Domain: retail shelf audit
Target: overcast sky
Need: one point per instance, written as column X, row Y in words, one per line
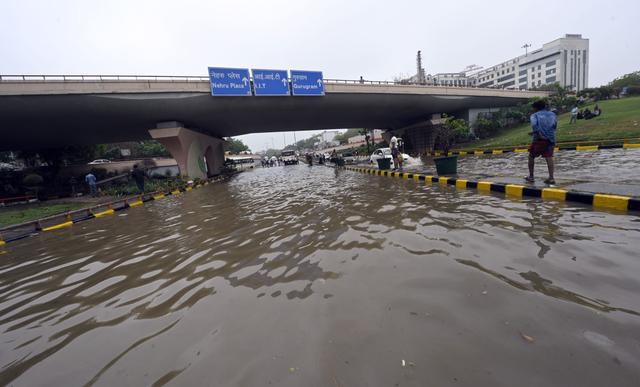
column 343, row 38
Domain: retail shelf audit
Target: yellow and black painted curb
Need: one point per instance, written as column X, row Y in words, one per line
column 597, row 200
column 77, row 216
column 525, row 149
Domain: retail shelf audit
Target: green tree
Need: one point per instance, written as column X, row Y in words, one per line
column 453, row 130
column 631, row 79
column 236, row 146
column 150, row 148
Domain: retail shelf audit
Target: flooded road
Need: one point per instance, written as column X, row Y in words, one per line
column 308, row 276
column 604, row 165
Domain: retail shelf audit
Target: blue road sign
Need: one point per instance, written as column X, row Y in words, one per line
column 230, row 82
column 307, row 82
column 270, row 82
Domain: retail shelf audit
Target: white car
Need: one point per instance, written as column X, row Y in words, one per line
column 289, row 157
column 386, row 153
column 99, row 161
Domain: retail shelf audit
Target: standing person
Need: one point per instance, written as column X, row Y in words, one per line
column 574, row 115
column 90, row 179
column 395, row 152
column 361, row 80
column 138, row 176
column 543, row 125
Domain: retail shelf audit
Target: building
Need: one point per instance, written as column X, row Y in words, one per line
column 328, row 135
column 460, row 79
column 564, row 61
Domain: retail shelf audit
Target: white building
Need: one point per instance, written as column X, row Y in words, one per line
column 460, row 79
column 328, row 135
column 564, row 60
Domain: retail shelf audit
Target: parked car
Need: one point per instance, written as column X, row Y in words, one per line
column 8, row 167
column 99, row 161
column 386, row 153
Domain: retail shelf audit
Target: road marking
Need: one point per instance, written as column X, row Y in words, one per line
column 104, row 213
column 58, row 226
column 514, row 189
column 484, row 186
column 461, row 183
column 554, row 193
column 611, row 201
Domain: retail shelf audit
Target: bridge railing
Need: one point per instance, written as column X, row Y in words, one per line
column 195, row 78
column 98, row 78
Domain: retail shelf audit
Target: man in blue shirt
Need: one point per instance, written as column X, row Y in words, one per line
column 91, row 180
column 543, row 125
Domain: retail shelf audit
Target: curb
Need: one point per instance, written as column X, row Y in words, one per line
column 597, row 200
column 89, row 213
column 526, row 149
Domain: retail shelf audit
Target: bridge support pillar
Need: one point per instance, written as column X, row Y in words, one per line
column 198, row 155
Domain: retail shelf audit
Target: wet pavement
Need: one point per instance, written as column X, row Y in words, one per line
column 310, row 276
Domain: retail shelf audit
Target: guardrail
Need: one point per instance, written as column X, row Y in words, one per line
column 195, row 78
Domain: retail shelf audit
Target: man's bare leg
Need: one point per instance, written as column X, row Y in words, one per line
column 532, row 163
column 550, row 167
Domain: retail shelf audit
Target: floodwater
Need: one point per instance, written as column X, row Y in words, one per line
column 309, row 276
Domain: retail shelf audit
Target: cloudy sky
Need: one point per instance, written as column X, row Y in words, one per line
column 343, row 38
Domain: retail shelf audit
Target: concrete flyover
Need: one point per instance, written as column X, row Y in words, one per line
column 53, row 111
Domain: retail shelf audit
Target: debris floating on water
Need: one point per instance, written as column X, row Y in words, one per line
column 527, row 338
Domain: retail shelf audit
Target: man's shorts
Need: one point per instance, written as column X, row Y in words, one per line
column 542, row 148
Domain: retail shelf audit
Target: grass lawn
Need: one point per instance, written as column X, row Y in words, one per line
column 620, row 120
column 23, row 213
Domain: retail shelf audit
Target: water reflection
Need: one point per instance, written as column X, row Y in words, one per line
column 216, row 269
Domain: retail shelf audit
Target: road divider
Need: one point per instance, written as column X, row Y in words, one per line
column 519, row 149
column 65, row 220
column 597, row 200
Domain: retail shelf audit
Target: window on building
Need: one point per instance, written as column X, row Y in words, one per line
column 539, row 75
column 523, row 72
column 552, row 63
column 539, row 67
column 550, row 79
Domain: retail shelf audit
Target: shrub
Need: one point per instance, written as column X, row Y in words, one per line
column 32, row 180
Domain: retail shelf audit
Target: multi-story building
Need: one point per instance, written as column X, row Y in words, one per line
column 564, row 61
column 454, row 79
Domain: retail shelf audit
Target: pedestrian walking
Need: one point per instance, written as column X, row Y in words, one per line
column 90, row 179
column 574, row 115
column 543, row 133
column 138, row 176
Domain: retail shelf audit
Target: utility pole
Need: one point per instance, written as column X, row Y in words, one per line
column 526, row 48
column 295, row 142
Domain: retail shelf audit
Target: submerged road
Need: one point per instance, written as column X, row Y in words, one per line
column 309, row 276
